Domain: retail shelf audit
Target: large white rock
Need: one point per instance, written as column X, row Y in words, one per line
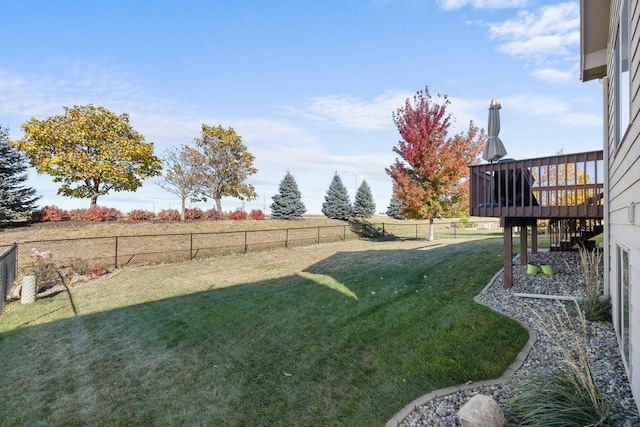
column 481, row 411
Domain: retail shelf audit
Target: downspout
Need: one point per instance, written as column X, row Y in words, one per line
column 605, row 151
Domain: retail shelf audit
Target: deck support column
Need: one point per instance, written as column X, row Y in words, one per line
column 523, row 244
column 534, row 239
column 508, row 254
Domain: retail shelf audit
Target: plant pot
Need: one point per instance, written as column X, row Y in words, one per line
column 29, row 289
column 532, row 269
column 547, row 269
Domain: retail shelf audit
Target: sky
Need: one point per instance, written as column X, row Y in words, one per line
column 310, row 86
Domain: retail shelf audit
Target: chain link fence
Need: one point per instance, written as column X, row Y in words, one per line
column 94, row 256
column 8, row 267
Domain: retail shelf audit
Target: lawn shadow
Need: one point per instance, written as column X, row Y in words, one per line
column 345, row 339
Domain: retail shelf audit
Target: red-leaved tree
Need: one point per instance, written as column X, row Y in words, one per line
column 431, row 175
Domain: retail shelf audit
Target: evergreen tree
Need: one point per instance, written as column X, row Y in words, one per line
column 15, row 199
column 395, row 209
column 287, row 204
column 336, row 202
column 364, row 206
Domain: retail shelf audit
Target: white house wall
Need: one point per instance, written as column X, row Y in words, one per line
column 624, row 186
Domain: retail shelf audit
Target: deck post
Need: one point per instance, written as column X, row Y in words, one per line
column 508, row 254
column 534, row 239
column 523, row 243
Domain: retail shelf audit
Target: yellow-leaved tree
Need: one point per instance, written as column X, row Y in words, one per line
column 90, row 151
column 225, row 165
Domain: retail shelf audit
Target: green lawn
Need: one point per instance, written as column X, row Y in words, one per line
column 336, row 334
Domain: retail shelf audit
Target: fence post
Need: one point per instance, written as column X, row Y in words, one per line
column 286, row 239
column 318, row 235
column 383, row 229
column 245, row 242
column 191, row 247
column 416, row 231
column 116, row 260
column 344, row 233
column 3, row 283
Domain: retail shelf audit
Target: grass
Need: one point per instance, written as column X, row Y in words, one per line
column 565, row 395
column 95, row 247
column 335, row 334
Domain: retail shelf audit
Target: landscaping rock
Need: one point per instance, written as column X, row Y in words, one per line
column 481, row 411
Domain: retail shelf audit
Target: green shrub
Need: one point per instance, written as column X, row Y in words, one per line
column 558, row 398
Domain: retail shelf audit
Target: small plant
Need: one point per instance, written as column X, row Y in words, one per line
column 212, row 214
column 595, row 306
column 565, row 395
column 50, row 213
column 44, row 269
column 78, row 214
column 140, row 215
column 465, row 221
column 237, row 215
column 256, row 214
column 79, row 266
column 168, row 215
column 99, row 213
column 193, row 213
column 98, row 269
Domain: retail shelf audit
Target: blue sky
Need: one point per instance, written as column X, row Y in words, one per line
column 309, row 85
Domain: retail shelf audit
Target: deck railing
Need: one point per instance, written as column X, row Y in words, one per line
column 560, row 186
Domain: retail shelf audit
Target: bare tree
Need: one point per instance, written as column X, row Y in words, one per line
column 181, row 173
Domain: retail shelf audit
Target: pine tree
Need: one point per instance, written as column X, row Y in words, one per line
column 287, row 204
column 364, row 206
column 395, row 209
column 336, row 202
column 15, row 199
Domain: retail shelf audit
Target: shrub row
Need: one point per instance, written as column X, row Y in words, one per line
column 55, row 214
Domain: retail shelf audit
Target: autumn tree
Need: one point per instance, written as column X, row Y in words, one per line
column 571, row 181
column 16, row 199
column 90, row 151
column 363, row 205
column 336, row 202
column 181, row 174
column 225, row 165
column 430, row 175
column 287, row 204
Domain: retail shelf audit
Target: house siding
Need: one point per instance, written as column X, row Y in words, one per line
column 624, row 186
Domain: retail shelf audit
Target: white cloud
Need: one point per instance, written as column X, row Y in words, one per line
column 357, row 114
column 552, row 75
column 552, row 31
column 554, row 109
column 481, row 4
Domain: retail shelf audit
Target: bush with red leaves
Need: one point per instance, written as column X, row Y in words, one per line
column 78, row 214
column 50, row 213
column 140, row 215
column 237, row 215
column 99, row 213
column 193, row 213
column 256, row 214
column 212, row 214
column 168, row 215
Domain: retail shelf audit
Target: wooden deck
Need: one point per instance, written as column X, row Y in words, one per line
column 562, row 186
column 566, row 188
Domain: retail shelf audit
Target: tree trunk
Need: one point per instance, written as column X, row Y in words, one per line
column 182, row 210
column 94, row 201
column 219, row 204
column 430, row 229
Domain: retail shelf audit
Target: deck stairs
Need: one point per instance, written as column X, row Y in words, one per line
column 567, row 233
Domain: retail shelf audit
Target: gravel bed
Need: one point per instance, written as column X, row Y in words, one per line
column 606, row 362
